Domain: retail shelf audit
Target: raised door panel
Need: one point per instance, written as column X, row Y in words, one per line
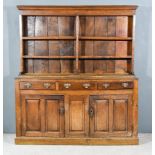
column 111, row 115
column 54, row 116
column 122, row 115
column 76, row 116
column 42, row 115
column 99, row 116
column 31, row 116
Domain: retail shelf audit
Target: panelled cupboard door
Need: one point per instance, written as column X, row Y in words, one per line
column 76, row 116
column 110, row 115
column 42, row 115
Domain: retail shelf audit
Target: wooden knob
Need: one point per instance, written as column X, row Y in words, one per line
column 106, row 85
column 47, row 85
column 125, row 84
column 28, row 85
column 67, row 85
column 86, row 85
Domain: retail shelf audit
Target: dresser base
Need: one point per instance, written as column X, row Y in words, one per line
column 76, row 141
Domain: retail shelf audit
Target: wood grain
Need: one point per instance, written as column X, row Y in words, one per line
column 52, row 108
column 54, row 50
column 101, row 115
column 100, row 48
column 29, row 45
column 120, row 115
column 33, row 115
column 111, row 46
column 76, row 85
column 76, row 118
column 41, row 47
column 87, row 29
column 135, row 109
column 80, row 10
column 18, row 110
column 77, row 141
column 66, row 27
column 121, row 46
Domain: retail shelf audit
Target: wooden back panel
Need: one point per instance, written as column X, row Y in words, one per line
column 42, row 26
column 52, row 44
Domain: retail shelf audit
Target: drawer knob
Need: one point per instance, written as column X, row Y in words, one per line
column 28, row 85
column 67, row 85
column 106, row 85
column 86, row 85
column 47, row 85
column 125, row 84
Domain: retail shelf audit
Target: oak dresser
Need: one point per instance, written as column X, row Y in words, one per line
column 76, row 83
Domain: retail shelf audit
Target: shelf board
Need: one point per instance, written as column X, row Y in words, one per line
column 49, row 57
column 74, row 57
column 121, row 76
column 80, row 38
column 50, row 38
column 105, row 57
column 105, row 38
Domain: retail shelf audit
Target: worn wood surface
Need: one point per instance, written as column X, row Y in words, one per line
column 76, row 116
column 77, row 141
column 40, row 116
column 81, row 10
column 85, row 44
column 77, row 84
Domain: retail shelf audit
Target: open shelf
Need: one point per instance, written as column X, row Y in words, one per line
column 49, row 57
column 106, row 38
column 80, row 75
column 93, row 38
column 50, row 38
column 77, row 44
column 105, row 57
column 79, row 57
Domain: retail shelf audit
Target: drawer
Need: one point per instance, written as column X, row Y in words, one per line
column 115, row 85
column 37, row 85
column 76, row 86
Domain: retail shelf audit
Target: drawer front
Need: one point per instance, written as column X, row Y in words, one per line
column 114, row 85
column 76, row 86
column 37, row 85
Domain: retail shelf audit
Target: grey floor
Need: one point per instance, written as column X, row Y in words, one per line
column 144, row 148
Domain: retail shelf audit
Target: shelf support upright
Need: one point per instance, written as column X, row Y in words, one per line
column 21, row 44
column 133, row 41
column 77, row 44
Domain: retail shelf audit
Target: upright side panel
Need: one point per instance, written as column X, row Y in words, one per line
column 18, row 110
